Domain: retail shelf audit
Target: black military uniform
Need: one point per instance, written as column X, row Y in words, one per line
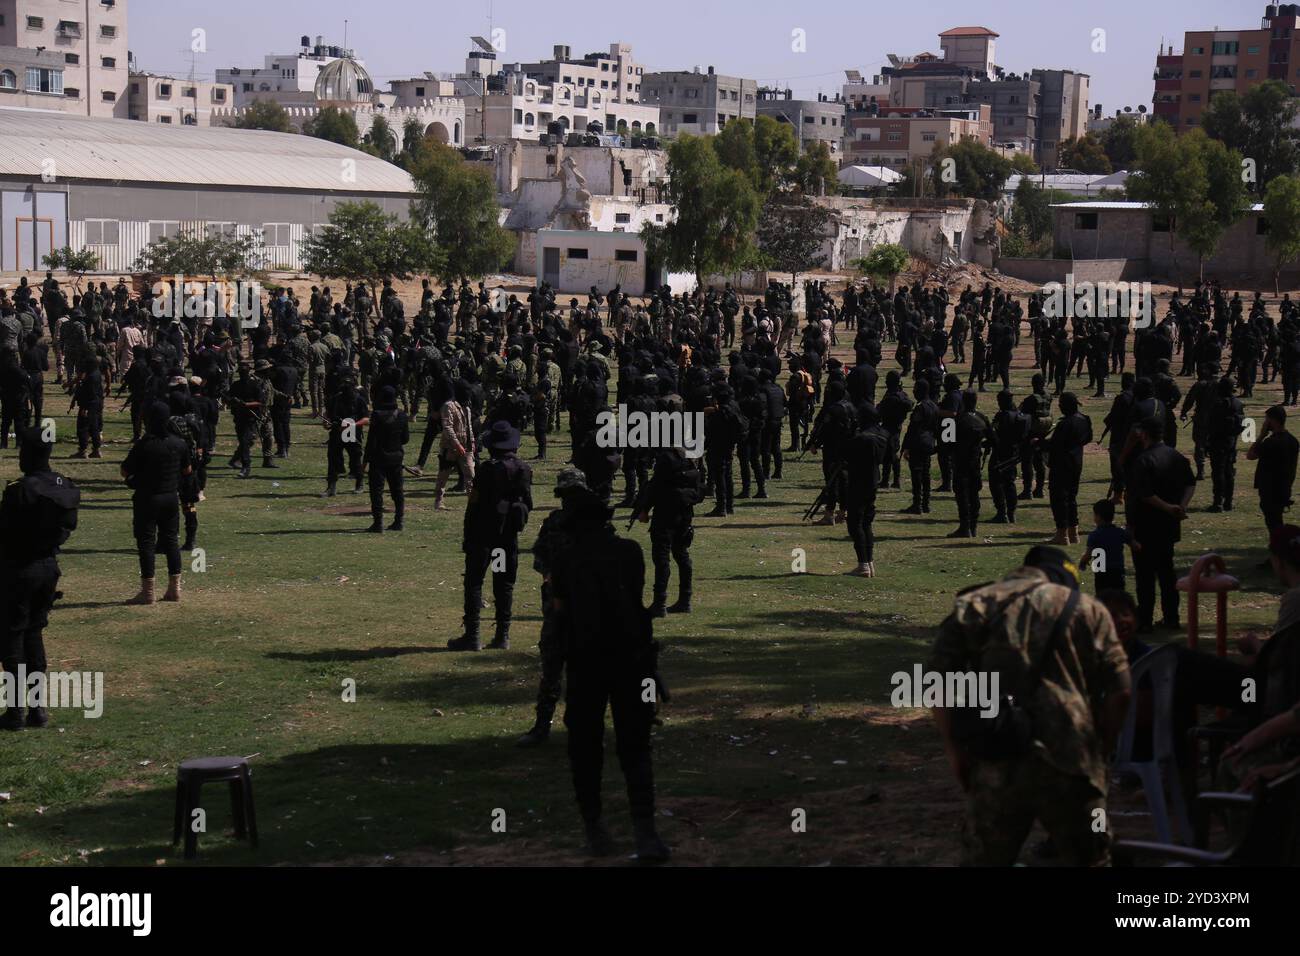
column 346, row 414
column 497, row 511
column 865, row 455
column 894, row 408
column 578, row 506
column 1065, row 460
column 37, row 515
column 153, row 469
column 1010, row 434
column 1033, row 464
column 918, row 445
column 385, row 448
column 1276, row 452
column 610, row 655
column 974, row 438
column 668, row 501
column 1223, row 430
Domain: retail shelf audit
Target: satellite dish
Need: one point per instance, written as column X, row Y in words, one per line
column 483, row 45
column 1142, row 109
column 1128, row 109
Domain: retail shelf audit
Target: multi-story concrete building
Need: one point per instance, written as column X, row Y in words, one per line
column 1099, row 122
column 1062, row 111
column 814, row 121
column 970, row 47
column 89, row 38
column 701, row 103
column 32, row 79
column 615, row 73
column 1216, row 60
column 858, row 94
column 517, row 106
column 285, row 78
column 897, row 138
column 166, row 99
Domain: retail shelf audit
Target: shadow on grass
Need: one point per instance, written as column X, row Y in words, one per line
column 353, row 654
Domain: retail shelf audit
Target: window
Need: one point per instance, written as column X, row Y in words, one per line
column 107, row 32
column 72, row 93
column 164, row 89
column 8, row 80
column 165, row 119
column 577, row 253
column 810, row 121
column 108, row 62
column 41, row 80
column 1085, row 220
column 1225, row 48
column 219, row 96
column 690, row 118
column 927, row 137
column 221, row 229
column 419, row 91
column 160, row 229
column 1194, row 74
column 625, row 255
column 190, row 92
column 519, row 116
column 275, row 233
column 248, row 87
column 101, row 232
column 109, row 96
column 69, row 30
column 895, row 137
column 622, row 217
column 36, row 23
column 528, row 119
column 604, row 84
column 1197, row 51
column 692, row 94
column 1194, row 97
column 1252, row 51
column 71, row 59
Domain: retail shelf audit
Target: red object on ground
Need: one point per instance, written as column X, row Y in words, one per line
column 1210, row 575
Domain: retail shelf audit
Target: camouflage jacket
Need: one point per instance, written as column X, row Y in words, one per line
column 1003, row 627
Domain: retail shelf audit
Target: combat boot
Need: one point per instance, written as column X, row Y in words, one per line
column 146, row 593
column 961, row 532
column 13, row 719
column 502, row 640
column 173, row 588
column 376, row 526
column 659, row 608
column 1025, row 495
column 269, row 462
column 683, row 605
column 330, row 491
column 1061, row 537
column 466, row 642
column 540, row 732
column 397, row 524
column 1073, row 534
column 999, row 518
column 649, row 848
column 37, row 717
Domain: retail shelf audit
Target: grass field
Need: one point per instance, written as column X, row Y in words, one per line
column 780, row 680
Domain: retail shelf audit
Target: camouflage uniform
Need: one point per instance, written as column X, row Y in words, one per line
column 298, row 351
column 1003, row 627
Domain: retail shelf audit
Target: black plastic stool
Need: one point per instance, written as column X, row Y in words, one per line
column 191, row 777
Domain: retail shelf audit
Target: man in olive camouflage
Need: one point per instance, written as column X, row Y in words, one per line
column 1076, row 707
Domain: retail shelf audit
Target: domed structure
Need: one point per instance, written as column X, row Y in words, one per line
column 344, row 82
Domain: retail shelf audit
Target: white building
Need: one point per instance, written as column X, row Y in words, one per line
column 573, row 261
column 89, row 38
column 284, row 78
column 166, row 99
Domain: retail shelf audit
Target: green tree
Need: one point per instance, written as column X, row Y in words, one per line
column 335, row 125
column 381, row 140
column 1031, row 213
column 265, row 114
column 1259, row 126
column 776, row 150
column 1024, row 164
column 213, row 254
column 1171, row 179
column 1225, row 200
column 717, row 210
column 76, row 264
column 734, row 147
column 1282, row 220
column 884, row 262
column 791, row 234
column 1119, row 140
column 816, row 173
column 458, row 204
column 969, row 168
column 363, row 243
column 1086, row 154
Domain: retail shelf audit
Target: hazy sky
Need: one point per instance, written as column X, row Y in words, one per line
column 403, row 38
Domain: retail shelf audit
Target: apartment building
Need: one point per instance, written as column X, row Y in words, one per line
column 87, row 38
column 699, row 103
column 1216, row 60
column 896, row 138
column 814, row 121
column 165, row 99
column 614, row 73
column 285, row 78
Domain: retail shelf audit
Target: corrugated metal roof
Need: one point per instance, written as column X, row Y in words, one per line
column 1257, row 207
column 136, row 151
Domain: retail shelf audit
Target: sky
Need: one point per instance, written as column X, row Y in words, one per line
column 398, row 39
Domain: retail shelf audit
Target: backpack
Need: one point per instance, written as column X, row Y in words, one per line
column 189, row 428
column 690, row 483
column 51, row 517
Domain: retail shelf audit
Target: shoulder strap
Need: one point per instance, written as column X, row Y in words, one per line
column 1058, row 631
